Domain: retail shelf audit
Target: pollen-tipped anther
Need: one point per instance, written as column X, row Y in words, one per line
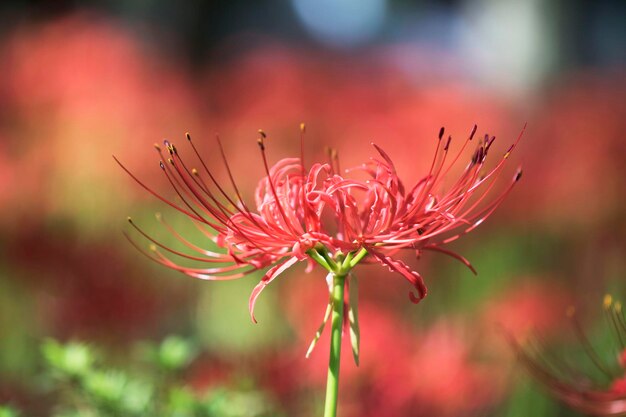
column 508, row 152
column 441, row 132
column 302, row 127
column 188, row 136
column 608, row 300
column 518, row 176
column 157, row 147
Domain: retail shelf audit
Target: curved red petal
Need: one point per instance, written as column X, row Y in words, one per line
column 269, row 276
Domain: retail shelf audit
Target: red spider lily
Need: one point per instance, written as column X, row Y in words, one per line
column 571, row 386
column 372, row 219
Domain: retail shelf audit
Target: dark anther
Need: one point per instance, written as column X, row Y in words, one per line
column 473, row 132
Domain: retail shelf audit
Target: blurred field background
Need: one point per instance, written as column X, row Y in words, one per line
column 83, row 80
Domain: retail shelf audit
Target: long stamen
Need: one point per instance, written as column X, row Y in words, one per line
column 172, row 175
column 171, row 250
column 460, row 152
column 218, row 212
column 619, row 314
column 595, row 359
column 213, row 179
column 302, row 132
column 163, row 199
column 270, row 181
column 189, row 189
column 609, row 311
column 246, row 210
column 427, row 184
column 184, row 241
column 225, row 217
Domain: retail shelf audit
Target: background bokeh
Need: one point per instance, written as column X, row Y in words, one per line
column 81, row 82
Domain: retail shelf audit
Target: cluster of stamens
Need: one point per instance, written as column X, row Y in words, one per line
column 602, row 394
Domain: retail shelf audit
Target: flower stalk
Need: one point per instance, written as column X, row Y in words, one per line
column 332, row 381
column 321, row 215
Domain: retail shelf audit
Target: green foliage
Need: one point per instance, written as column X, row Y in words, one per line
column 6, row 411
column 150, row 384
column 526, row 400
column 173, row 354
column 72, row 359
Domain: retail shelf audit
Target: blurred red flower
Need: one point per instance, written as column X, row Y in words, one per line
column 407, row 371
column 74, row 88
column 579, row 389
column 531, row 306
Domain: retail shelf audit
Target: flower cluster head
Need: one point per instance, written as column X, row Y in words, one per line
column 322, row 215
column 595, row 385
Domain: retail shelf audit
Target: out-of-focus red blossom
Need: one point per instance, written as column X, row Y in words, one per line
column 209, row 371
column 532, row 306
column 7, row 174
column 579, row 127
column 350, row 100
column 74, row 88
column 446, row 381
column 619, row 386
column 81, row 289
column 404, row 371
column 87, row 67
column 567, row 382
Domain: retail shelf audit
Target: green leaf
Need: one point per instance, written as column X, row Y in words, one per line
column 353, row 316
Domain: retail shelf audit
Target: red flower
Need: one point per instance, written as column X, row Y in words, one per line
column 372, row 218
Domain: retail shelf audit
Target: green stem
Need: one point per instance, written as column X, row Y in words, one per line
column 332, row 383
column 357, row 258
